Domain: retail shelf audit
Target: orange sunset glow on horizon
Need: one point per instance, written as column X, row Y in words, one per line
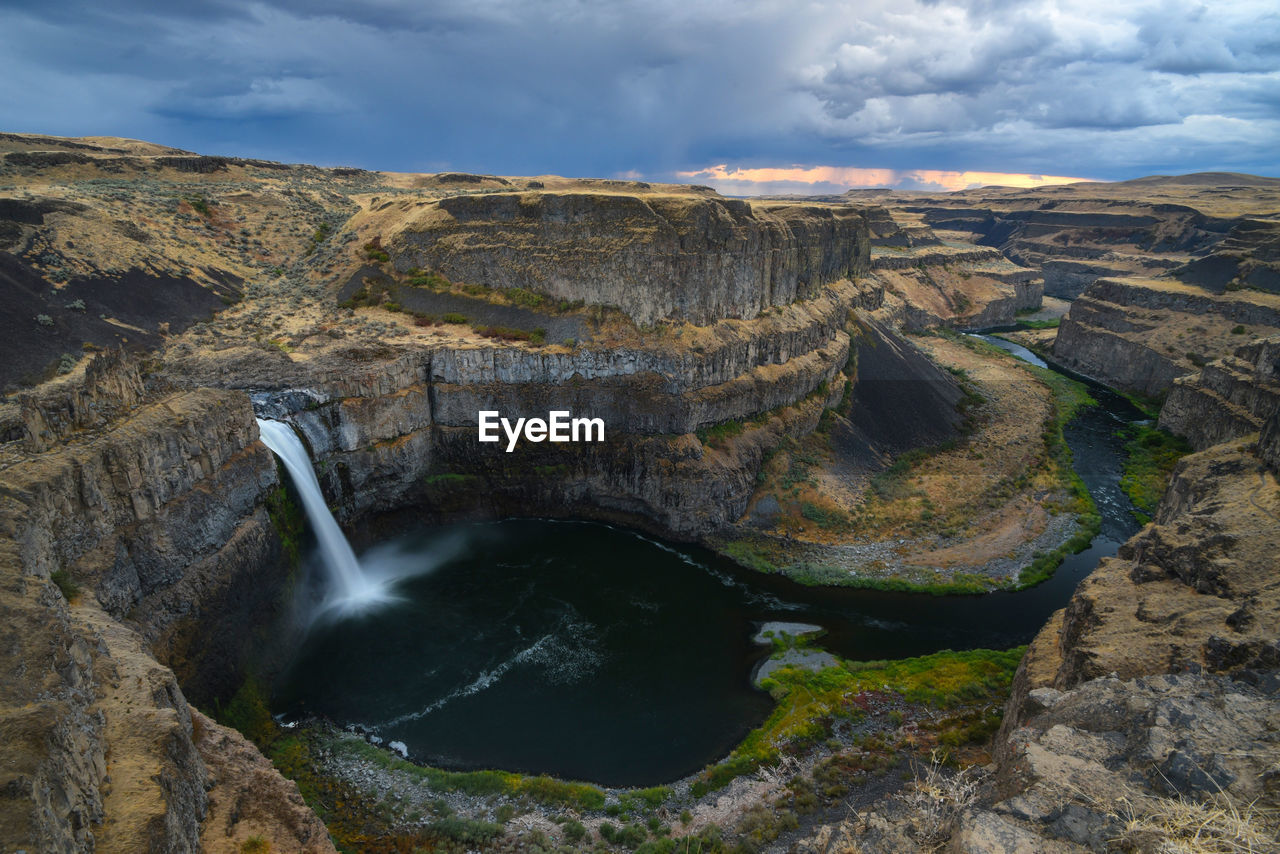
column 855, row 177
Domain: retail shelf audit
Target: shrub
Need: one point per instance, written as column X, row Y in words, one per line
column 454, row 318
column 44, row 320
column 507, row 333
column 465, row 830
column 62, row 578
column 717, row 434
column 574, row 830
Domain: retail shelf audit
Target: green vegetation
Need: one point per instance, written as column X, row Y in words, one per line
column 287, row 518
column 1050, row 323
column 544, row 790
column 199, row 204
column 356, row 822
column 717, row 434
column 654, row 796
column 422, row 279
column 507, row 333
column 1151, row 456
column 1069, row 398
column 749, row 555
column 465, row 830
column 454, row 318
column 62, row 579
column 809, row 704
column 574, row 830
column 1043, row 566
column 1238, row 329
column 373, row 251
column 524, row 297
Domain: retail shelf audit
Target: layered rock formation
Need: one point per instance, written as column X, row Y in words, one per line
column 135, row 540
column 1146, row 711
column 1230, row 397
column 1075, row 234
column 125, row 532
column 408, row 414
column 1248, row 258
column 1141, row 334
column 636, row 252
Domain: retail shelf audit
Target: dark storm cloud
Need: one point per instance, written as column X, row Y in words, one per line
column 1103, row 89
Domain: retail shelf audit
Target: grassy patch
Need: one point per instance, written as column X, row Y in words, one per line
column 809, row 704
column 1150, row 458
column 545, row 790
column 63, row 581
column 717, row 434
column 749, row 555
column 1051, row 323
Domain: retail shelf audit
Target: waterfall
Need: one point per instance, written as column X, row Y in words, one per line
column 351, row 589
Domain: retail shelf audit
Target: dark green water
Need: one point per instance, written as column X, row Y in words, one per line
column 591, row 652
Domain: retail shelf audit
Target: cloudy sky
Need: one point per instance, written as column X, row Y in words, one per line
column 749, row 95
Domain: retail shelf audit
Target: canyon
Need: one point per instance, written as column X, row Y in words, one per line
column 160, row 301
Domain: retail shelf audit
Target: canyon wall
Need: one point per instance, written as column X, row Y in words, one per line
column 653, row 256
column 1147, row 701
column 1141, row 334
column 1230, row 397
column 403, row 428
column 115, row 545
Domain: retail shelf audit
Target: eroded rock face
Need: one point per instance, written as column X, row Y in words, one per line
column 1231, row 397
column 1249, row 257
column 655, row 257
column 1142, row 334
column 1160, row 678
column 156, row 515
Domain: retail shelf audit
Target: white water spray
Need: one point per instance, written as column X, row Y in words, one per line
column 352, row 588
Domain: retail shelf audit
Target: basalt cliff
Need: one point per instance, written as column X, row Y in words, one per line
column 162, row 299
column 379, row 314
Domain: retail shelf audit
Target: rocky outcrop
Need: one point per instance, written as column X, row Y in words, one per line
column 1142, row 334
column 133, row 533
column 248, row 799
column 1230, row 397
column 109, row 388
column 1248, row 258
column 929, row 282
column 385, row 422
column 1159, row 680
column 1068, row 278
column 1144, row 713
column 653, row 256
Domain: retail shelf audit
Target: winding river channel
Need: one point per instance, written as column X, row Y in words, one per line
column 596, row 653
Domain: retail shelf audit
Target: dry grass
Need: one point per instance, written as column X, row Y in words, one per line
column 937, row 798
column 1182, row 826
